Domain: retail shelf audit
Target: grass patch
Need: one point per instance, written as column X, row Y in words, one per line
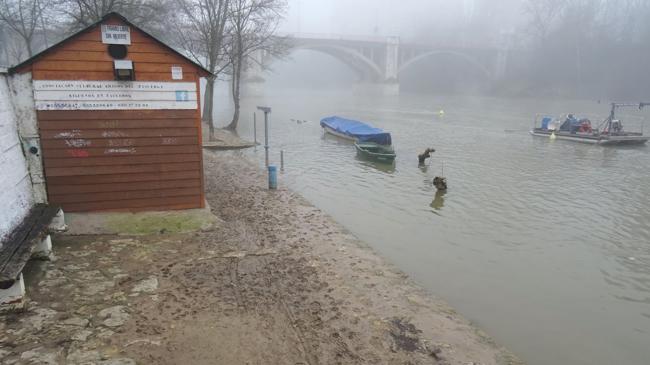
column 160, row 222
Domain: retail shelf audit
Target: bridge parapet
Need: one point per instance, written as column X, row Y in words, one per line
column 381, row 59
column 338, row 37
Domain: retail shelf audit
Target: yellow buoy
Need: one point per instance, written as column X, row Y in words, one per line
column 553, row 136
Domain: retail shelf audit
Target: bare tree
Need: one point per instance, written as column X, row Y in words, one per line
column 628, row 20
column 82, row 13
column 543, row 16
column 23, row 18
column 4, row 49
column 252, row 26
column 200, row 28
column 14, row 49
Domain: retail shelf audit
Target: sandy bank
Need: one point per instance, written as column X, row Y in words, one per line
column 276, row 282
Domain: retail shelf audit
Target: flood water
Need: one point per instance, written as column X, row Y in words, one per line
column 543, row 244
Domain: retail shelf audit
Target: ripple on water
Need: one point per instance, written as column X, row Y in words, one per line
column 531, row 231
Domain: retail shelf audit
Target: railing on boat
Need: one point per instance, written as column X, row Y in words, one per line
column 633, row 124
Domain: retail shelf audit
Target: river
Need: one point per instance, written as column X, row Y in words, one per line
column 543, row 244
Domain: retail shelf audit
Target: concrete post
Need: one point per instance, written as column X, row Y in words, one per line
column 14, row 297
column 43, row 250
column 503, row 52
column 391, row 64
column 58, row 222
column 501, row 64
column 253, row 80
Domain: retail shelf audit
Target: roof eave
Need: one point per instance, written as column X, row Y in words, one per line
column 21, row 66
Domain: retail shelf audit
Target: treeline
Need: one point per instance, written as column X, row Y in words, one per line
column 596, row 49
column 218, row 34
column 587, row 49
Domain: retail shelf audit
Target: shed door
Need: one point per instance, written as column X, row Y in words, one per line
column 122, row 159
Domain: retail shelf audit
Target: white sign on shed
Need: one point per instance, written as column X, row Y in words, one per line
column 177, row 73
column 116, row 34
column 113, row 95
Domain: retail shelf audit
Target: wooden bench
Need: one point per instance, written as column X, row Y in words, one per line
column 18, row 248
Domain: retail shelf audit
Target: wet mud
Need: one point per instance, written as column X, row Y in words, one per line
column 277, row 281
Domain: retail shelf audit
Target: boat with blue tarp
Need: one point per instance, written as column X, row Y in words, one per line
column 355, row 130
column 370, row 142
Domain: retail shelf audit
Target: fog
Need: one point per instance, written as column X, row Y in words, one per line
column 569, row 49
column 410, row 19
column 541, row 243
column 555, row 48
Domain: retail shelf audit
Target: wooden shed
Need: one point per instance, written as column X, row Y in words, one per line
column 118, row 115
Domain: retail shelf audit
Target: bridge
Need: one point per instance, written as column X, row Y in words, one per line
column 381, row 60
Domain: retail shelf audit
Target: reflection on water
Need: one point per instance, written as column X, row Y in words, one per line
column 348, row 146
column 439, row 201
column 545, row 245
column 388, row 168
column 334, row 140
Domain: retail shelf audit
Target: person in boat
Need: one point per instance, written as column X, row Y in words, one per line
column 422, row 158
column 571, row 124
column 585, row 126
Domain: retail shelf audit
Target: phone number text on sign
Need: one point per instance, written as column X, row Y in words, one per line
column 77, row 105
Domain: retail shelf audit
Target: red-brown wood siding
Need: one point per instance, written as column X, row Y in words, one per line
column 120, row 159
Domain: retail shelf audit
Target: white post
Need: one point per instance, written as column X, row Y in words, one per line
column 13, row 297
column 43, row 250
column 58, row 222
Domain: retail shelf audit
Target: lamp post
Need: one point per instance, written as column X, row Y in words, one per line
column 267, row 111
column 255, row 129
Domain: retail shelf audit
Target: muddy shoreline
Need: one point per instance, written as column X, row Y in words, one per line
column 277, row 281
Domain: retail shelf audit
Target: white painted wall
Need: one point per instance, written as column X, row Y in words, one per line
column 22, row 99
column 15, row 183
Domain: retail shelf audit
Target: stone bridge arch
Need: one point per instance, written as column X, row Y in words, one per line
column 367, row 68
column 473, row 62
column 380, row 60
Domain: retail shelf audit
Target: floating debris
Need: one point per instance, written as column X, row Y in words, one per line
column 440, row 183
column 424, row 155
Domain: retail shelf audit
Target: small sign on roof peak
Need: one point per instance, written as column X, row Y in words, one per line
column 116, row 34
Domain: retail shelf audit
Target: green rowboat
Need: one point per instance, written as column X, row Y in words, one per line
column 376, row 152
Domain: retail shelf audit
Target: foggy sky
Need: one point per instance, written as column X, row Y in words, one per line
column 405, row 18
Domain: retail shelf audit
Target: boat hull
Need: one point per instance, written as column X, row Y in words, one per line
column 375, row 152
column 338, row 134
column 356, row 130
column 603, row 140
